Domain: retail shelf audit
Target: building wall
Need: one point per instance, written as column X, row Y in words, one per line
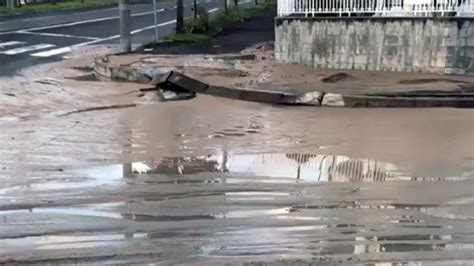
column 435, row 45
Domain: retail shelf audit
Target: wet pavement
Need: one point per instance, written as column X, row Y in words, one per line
column 215, row 181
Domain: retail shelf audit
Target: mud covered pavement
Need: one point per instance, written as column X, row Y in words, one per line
column 216, row 181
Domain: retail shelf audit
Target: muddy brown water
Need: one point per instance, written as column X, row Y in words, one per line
column 214, row 181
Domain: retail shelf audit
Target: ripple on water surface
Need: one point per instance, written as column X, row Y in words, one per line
column 249, row 207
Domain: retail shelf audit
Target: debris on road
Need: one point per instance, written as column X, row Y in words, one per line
column 49, row 81
column 254, row 75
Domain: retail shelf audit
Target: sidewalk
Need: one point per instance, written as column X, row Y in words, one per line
column 241, row 58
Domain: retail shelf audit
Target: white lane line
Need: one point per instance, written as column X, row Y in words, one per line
column 69, row 48
column 153, row 26
column 96, row 41
column 5, row 44
column 79, row 22
column 147, row 12
column 25, row 49
column 57, row 35
column 134, row 32
column 53, row 52
column 118, row 36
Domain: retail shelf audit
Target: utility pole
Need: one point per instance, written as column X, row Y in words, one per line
column 125, row 36
column 11, row 4
column 155, row 18
column 179, row 16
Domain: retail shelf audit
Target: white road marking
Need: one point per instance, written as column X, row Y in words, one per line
column 118, row 36
column 68, row 49
column 79, row 22
column 153, row 26
column 53, row 52
column 96, row 41
column 25, row 49
column 147, row 12
column 5, row 44
column 57, row 35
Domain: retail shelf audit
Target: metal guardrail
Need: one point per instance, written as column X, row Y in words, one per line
column 340, row 8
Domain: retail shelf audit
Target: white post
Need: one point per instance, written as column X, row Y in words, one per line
column 155, row 17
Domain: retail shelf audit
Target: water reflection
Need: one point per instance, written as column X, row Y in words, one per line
column 310, row 167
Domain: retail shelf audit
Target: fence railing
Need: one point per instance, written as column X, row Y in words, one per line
column 450, row 8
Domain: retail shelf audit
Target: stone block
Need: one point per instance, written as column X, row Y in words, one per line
column 454, row 71
column 470, row 41
column 333, row 100
column 461, row 42
column 392, row 40
column 464, row 32
column 311, row 98
column 407, row 43
column 186, row 83
column 450, row 51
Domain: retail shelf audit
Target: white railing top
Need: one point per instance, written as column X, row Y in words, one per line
column 442, row 8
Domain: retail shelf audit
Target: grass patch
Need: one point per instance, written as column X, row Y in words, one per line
column 259, row 7
column 187, row 37
column 67, row 5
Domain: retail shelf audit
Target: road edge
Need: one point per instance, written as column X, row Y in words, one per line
column 106, row 71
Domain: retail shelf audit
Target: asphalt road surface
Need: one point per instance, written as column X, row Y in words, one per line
column 30, row 41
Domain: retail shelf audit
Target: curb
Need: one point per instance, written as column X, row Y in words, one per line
column 175, row 81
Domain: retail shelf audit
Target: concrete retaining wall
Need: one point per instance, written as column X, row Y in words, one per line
column 433, row 45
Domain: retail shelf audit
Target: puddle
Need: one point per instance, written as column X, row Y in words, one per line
column 305, row 167
column 308, row 167
column 61, row 242
column 240, row 206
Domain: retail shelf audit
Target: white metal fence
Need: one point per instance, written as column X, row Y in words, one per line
column 463, row 8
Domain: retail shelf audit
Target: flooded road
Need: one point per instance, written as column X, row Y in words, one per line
column 214, row 181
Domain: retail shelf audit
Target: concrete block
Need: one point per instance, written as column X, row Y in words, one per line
column 186, row 83
column 399, row 102
column 333, row 100
column 355, row 100
column 288, row 98
column 261, row 96
column 224, row 92
column 160, row 78
column 311, row 98
column 120, row 73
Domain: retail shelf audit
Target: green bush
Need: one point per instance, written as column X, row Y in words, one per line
column 199, row 25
